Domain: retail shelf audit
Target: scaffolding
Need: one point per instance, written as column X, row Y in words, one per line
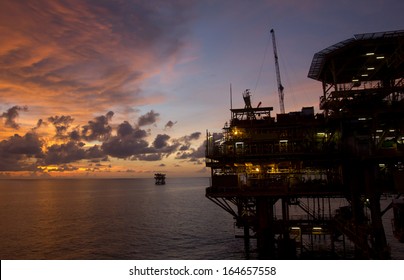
column 304, row 183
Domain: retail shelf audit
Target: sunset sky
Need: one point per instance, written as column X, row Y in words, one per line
column 126, row 88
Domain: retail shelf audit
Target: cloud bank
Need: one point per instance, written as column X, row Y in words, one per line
column 91, row 143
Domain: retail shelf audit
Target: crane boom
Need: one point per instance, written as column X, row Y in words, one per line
column 278, row 75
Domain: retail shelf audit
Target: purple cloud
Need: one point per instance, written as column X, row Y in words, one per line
column 11, row 115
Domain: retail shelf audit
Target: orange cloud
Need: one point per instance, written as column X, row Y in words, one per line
column 89, row 56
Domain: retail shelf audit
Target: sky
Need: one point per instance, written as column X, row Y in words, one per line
column 127, row 88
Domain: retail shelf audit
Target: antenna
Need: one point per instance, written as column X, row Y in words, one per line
column 278, row 75
column 231, row 100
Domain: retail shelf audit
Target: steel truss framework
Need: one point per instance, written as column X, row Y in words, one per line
column 264, row 167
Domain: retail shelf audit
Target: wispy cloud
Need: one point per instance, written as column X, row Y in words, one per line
column 85, row 54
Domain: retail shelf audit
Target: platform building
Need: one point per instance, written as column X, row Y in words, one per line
column 308, row 184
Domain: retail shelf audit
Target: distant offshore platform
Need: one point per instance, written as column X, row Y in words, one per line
column 308, row 185
column 160, row 178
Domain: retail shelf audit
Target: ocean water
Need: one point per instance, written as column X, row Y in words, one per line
column 113, row 219
column 120, row 219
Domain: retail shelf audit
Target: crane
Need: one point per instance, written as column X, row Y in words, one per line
column 278, row 75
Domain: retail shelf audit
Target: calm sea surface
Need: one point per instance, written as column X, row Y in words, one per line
column 113, row 219
column 119, row 219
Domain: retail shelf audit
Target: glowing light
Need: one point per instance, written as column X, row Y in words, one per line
column 317, row 230
column 49, row 168
column 370, row 54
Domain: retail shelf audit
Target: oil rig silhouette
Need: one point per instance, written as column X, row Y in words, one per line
column 302, row 180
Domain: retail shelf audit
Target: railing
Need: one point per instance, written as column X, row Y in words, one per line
column 358, row 234
column 315, row 148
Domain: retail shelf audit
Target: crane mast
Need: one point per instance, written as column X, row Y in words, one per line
column 278, row 75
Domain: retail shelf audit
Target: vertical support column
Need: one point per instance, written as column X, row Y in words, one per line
column 265, row 227
column 287, row 246
column 379, row 241
column 379, row 237
column 247, row 239
column 353, row 178
column 285, row 218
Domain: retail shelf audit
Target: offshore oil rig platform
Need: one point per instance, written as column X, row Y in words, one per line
column 305, row 184
column 160, row 178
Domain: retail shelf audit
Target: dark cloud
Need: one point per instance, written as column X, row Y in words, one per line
column 11, row 114
column 98, row 129
column 161, row 141
column 193, row 155
column 185, row 151
column 98, row 160
column 40, row 123
column 62, row 124
column 185, row 147
column 191, row 137
column 16, row 152
column 29, row 145
column 161, row 145
column 200, row 151
column 125, row 129
column 64, row 153
column 169, row 124
column 149, row 157
column 148, row 118
column 95, row 153
column 74, row 135
column 70, row 152
column 130, row 142
column 128, row 147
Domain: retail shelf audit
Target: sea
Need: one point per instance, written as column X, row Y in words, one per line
column 121, row 219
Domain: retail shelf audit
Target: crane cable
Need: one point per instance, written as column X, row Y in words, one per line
column 262, row 65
